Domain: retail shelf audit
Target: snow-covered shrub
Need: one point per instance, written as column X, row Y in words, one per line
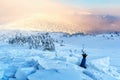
column 43, row 41
column 66, row 35
column 61, row 43
column 34, row 41
column 18, row 39
column 47, row 42
column 78, row 34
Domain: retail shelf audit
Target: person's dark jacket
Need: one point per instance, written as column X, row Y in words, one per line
column 83, row 62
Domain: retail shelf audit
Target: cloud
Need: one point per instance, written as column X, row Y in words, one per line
column 16, row 9
column 50, row 15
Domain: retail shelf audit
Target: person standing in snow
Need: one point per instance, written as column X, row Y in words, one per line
column 83, row 62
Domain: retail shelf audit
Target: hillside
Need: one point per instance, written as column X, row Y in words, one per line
column 18, row 62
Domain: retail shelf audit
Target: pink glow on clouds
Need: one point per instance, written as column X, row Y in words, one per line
column 37, row 14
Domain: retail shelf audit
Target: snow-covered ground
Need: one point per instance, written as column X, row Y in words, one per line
column 21, row 63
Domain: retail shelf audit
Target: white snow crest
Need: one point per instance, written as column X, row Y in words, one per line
column 103, row 65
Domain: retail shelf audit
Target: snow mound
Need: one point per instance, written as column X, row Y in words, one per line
column 22, row 73
column 103, row 65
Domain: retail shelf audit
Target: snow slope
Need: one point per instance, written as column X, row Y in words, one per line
column 21, row 63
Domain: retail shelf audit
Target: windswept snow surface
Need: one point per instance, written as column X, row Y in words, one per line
column 21, row 63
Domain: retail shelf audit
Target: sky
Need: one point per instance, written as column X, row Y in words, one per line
column 74, row 15
column 93, row 3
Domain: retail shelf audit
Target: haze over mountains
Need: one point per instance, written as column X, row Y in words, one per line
column 87, row 23
column 60, row 16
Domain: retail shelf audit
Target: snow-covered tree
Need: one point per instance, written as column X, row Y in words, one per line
column 43, row 41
